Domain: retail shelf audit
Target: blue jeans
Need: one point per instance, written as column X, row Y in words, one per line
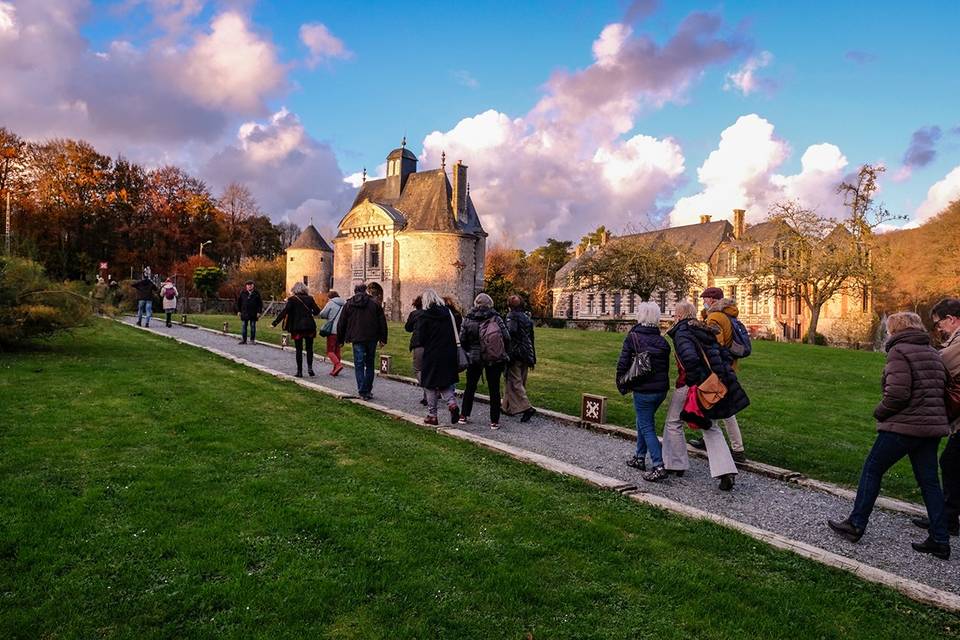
column 645, row 405
column 364, row 354
column 243, row 329
column 144, row 308
column 887, row 449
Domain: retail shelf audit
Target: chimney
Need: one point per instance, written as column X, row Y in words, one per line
column 459, row 197
column 704, row 218
column 604, row 238
column 739, row 223
column 579, row 252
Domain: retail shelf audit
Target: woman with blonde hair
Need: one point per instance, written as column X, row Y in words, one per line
column 684, row 334
column 437, row 333
column 911, row 419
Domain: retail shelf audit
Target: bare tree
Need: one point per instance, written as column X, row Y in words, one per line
column 638, row 265
column 238, row 205
column 289, row 232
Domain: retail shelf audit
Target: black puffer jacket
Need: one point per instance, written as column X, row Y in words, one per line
column 643, row 338
column 362, row 320
column 411, row 327
column 439, row 342
column 299, row 312
column 470, row 332
column 522, row 347
column 689, row 337
column 914, row 380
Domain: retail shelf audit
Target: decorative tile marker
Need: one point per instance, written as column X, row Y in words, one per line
column 593, row 408
column 225, row 325
column 183, row 319
column 284, row 341
column 386, row 363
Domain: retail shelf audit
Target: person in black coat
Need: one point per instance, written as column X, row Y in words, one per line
column 145, row 290
column 436, row 329
column 299, row 312
column 650, row 390
column 363, row 324
column 482, row 361
column 416, row 351
column 249, row 308
column 523, row 357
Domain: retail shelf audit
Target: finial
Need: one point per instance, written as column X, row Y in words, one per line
column 443, row 160
column 364, row 174
column 403, row 143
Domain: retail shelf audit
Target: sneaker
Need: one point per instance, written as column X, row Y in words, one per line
column 936, row 549
column 494, row 425
column 310, row 373
column 366, row 396
column 526, row 415
column 464, row 420
column 739, row 456
column 637, row 463
column 454, row 414
column 336, row 370
column 431, row 420
column 727, row 481
column 846, row 530
column 697, row 443
column 655, row 475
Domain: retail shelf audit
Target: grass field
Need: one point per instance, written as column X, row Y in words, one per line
column 150, row 490
column 811, row 406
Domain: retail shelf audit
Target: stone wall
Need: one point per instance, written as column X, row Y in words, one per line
column 447, row 262
column 316, row 266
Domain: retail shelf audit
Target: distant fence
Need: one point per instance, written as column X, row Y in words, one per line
column 223, row 305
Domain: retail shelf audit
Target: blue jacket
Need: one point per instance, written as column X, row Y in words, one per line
column 642, row 338
column 694, row 339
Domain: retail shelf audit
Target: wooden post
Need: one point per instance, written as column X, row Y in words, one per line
column 593, row 408
column 183, row 319
column 386, row 363
column 225, row 325
column 284, row 341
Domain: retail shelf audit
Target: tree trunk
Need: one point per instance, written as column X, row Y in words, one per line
column 814, row 320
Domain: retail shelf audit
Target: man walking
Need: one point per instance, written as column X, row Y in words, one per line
column 523, row 356
column 719, row 311
column 249, row 308
column 946, row 320
column 363, row 324
column 144, row 288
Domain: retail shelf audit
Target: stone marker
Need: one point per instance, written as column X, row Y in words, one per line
column 386, row 363
column 593, row 408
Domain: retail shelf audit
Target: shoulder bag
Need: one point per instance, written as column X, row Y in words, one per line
column 462, row 360
column 711, row 390
column 640, row 366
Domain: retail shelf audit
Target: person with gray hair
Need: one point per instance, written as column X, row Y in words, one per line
column 437, row 331
column 645, row 344
column 911, row 420
column 298, row 314
column 485, row 338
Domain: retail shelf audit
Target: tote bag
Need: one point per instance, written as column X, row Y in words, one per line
column 462, row 360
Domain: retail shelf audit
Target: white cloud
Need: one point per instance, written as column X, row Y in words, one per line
column 740, row 174
column 465, row 78
column 322, row 44
column 941, row 194
column 747, row 80
column 8, row 21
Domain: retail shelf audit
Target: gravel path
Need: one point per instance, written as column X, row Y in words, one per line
column 796, row 512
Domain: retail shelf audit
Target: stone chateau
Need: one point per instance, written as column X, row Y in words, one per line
column 715, row 248
column 409, row 231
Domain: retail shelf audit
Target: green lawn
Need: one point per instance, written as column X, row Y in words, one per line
column 811, row 406
column 150, row 490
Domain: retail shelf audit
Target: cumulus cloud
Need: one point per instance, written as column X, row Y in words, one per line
column 566, row 166
column 922, row 149
column 322, row 44
column 8, row 20
column 741, row 174
column 747, row 80
column 292, row 175
column 941, row 194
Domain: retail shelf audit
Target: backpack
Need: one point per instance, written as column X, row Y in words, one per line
column 741, row 347
column 492, row 347
column 170, row 293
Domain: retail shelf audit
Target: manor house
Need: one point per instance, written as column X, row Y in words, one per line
column 409, row 231
column 715, row 249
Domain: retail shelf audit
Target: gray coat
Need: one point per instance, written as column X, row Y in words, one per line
column 331, row 311
column 914, row 380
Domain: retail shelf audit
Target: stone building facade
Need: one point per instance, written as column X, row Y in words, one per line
column 409, row 231
column 715, row 250
column 310, row 261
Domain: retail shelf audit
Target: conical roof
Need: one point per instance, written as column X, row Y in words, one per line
column 311, row 239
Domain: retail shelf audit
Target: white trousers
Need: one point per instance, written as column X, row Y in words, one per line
column 675, row 445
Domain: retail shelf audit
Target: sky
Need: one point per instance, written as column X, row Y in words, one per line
column 569, row 115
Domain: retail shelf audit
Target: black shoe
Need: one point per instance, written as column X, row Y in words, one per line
column 727, row 481
column 924, row 523
column 139, row 324
column 676, row 472
column 936, row 549
column 739, row 456
column 846, row 530
column 298, row 374
column 148, row 324
column 252, row 341
column 697, row 443
column 526, row 415
column 310, row 373
column 423, row 401
column 241, row 342
column 454, row 414
column 655, row 475
column 637, row 463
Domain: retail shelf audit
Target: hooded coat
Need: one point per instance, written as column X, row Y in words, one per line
column 644, row 338
column 331, row 311
column 435, row 330
column 719, row 317
column 692, row 340
column 362, row 320
column 522, row 347
column 470, row 333
column 914, row 381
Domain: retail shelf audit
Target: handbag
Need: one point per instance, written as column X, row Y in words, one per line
column 463, row 361
column 327, row 329
column 640, row 367
column 711, row 390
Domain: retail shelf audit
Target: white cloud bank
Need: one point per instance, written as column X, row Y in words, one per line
column 941, row 194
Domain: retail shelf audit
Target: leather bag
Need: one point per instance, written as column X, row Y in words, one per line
column 640, row 367
column 711, row 390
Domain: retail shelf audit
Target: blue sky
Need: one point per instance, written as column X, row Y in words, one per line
column 862, row 77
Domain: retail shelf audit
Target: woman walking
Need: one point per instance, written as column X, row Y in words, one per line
column 331, row 313
column 299, row 312
column 169, row 295
column 644, row 341
column 911, row 419
column 691, row 338
column 485, row 338
column 416, row 350
column 437, row 330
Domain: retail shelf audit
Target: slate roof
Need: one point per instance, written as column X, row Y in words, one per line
column 310, row 238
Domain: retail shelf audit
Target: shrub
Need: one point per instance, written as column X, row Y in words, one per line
column 207, row 280
column 270, row 277
column 819, row 339
column 32, row 307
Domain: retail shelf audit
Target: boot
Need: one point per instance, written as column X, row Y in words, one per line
column 846, row 530
column 529, row 413
column 726, row 481
column 936, row 549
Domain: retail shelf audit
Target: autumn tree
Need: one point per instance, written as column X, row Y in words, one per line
column 634, row 264
column 238, row 206
column 596, row 238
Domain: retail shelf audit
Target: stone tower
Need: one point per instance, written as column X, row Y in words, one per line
column 310, row 261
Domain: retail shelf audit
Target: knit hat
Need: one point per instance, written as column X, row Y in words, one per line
column 712, row 292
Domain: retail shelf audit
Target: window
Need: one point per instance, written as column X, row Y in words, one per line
column 321, row 259
column 590, row 304
column 783, row 302
column 733, row 292
column 799, row 309
column 663, row 302
column 569, row 306
column 865, row 300
column 306, row 280
column 373, row 256
column 603, row 303
column 755, row 299
column 617, row 298
column 632, row 303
